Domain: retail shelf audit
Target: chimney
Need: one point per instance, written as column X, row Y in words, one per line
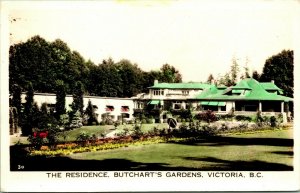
column 273, row 81
column 155, row 82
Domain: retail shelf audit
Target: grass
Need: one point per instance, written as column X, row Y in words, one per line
column 97, row 130
column 257, row 151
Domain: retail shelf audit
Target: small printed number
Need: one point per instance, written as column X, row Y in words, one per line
column 20, row 167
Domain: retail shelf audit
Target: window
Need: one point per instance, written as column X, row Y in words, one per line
column 158, row 92
column 109, row 108
column 124, row 108
column 177, row 106
column 185, row 92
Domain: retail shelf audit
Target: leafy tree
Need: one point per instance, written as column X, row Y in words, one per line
column 60, row 99
column 90, row 112
column 170, row 74
column 280, row 68
column 39, row 61
column 131, row 76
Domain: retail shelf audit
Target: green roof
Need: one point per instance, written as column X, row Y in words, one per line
column 255, row 92
column 271, row 87
column 189, row 85
column 242, row 85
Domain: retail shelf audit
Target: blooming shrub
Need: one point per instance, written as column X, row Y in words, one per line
column 208, row 116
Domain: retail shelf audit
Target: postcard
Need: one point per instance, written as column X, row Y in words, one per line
column 102, row 96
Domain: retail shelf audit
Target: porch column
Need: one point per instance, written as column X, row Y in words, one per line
column 282, row 107
column 260, row 106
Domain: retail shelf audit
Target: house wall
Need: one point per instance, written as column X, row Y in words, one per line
column 100, row 102
column 174, row 93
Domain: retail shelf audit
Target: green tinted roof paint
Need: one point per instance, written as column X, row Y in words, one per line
column 255, row 91
column 269, row 86
column 213, row 103
column 154, row 102
column 189, row 85
column 222, row 104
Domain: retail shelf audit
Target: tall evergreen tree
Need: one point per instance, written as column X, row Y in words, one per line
column 27, row 118
column 77, row 104
column 16, row 97
column 60, row 100
column 210, row 79
column 256, row 75
column 90, row 112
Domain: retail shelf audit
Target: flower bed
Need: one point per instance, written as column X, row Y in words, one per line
column 70, row 148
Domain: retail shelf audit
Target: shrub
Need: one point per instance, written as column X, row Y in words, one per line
column 144, row 121
column 149, row 120
column 273, row 121
column 137, row 132
column 207, row 116
column 37, row 139
column 83, row 137
column 242, row 118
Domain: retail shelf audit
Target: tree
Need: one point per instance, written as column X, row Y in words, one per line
column 280, row 68
column 170, row 74
column 246, row 73
column 210, row 79
column 91, row 115
column 60, row 99
column 39, row 61
column 27, row 118
column 256, row 75
column 234, row 70
column 131, row 76
column 16, row 97
column 77, row 104
column 225, row 80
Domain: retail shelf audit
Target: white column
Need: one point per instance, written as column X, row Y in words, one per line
column 260, row 106
column 282, row 107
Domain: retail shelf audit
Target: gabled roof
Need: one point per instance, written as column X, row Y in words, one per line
column 189, row 85
column 253, row 91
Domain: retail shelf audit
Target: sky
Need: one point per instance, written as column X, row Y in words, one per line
column 196, row 37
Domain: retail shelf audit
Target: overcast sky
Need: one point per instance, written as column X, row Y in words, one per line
column 197, row 37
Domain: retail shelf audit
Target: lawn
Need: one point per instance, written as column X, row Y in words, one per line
column 270, row 150
column 264, row 151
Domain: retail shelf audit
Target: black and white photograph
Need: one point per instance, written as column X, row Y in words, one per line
column 162, row 95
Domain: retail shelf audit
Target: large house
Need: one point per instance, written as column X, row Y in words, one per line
column 247, row 97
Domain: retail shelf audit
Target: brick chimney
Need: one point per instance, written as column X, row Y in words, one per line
column 273, row 81
column 155, row 82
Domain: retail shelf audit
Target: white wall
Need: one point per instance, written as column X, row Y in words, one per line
column 100, row 102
